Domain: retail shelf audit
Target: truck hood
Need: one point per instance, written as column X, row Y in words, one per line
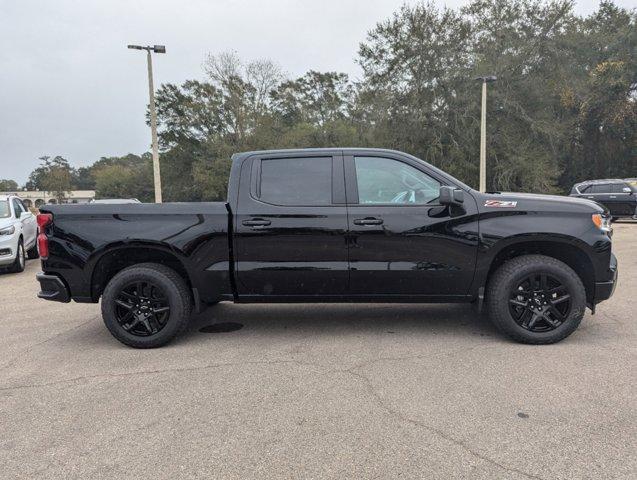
column 537, row 202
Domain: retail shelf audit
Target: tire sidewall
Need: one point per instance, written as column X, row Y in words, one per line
column 20, row 266
column 176, row 302
column 569, row 280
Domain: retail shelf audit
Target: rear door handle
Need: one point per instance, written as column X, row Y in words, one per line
column 368, row 221
column 256, row 222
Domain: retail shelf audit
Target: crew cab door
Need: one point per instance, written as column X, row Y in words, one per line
column 290, row 226
column 402, row 242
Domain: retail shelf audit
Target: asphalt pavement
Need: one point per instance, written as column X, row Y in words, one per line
column 317, row 391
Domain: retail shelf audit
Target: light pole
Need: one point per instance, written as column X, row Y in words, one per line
column 483, row 132
column 153, row 114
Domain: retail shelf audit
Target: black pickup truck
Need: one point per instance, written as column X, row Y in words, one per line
column 332, row 225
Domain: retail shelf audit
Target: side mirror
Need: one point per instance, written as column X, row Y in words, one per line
column 451, row 196
column 627, row 190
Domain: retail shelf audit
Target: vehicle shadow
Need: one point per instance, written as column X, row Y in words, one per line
column 280, row 320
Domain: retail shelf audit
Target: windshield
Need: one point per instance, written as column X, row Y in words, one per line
column 5, row 211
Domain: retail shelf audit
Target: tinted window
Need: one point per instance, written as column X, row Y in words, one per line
column 296, row 181
column 17, row 208
column 383, row 180
column 599, row 188
column 585, row 189
column 618, row 187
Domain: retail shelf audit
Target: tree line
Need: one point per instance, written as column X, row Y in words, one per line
column 564, row 107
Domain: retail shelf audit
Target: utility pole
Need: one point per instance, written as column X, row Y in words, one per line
column 483, row 132
column 153, row 115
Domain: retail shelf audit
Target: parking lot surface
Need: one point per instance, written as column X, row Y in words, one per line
column 317, row 391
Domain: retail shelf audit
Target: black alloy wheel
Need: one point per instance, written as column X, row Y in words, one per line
column 142, row 308
column 146, row 305
column 540, row 303
column 535, row 299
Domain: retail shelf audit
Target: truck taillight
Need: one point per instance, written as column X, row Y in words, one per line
column 44, row 219
column 43, row 246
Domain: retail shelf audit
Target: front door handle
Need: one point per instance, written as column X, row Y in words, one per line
column 368, row 221
column 613, row 196
column 256, row 222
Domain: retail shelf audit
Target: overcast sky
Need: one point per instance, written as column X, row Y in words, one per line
column 70, row 87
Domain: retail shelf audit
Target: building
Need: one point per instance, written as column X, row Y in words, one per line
column 35, row 198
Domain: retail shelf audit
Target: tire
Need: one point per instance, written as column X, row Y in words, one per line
column 128, row 324
column 513, row 301
column 20, row 259
column 32, row 253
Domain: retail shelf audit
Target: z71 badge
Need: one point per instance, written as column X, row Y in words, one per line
column 500, row 203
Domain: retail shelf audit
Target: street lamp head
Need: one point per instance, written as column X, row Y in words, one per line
column 154, row 48
column 489, row 79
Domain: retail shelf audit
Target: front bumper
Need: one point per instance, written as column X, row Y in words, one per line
column 52, row 288
column 8, row 247
column 604, row 290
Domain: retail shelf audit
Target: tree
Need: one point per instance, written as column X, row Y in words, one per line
column 130, row 176
column 564, row 107
column 8, row 185
column 53, row 175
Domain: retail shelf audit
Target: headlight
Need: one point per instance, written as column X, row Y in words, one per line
column 602, row 222
column 8, row 230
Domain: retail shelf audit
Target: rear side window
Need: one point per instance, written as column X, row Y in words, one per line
column 599, row 188
column 296, row 181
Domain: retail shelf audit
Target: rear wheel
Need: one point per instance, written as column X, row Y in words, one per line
column 146, row 305
column 536, row 299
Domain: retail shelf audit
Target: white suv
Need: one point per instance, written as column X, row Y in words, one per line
column 18, row 233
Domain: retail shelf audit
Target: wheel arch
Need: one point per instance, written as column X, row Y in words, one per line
column 566, row 251
column 115, row 258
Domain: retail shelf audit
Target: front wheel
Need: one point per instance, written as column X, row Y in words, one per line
column 146, row 305
column 536, row 299
column 20, row 259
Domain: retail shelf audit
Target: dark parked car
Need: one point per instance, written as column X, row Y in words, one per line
column 619, row 196
column 332, row 225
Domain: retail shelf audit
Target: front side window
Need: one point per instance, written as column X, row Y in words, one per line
column 296, row 181
column 620, row 188
column 388, row 181
column 17, row 208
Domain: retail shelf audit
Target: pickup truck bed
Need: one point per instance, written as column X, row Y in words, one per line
column 90, row 243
